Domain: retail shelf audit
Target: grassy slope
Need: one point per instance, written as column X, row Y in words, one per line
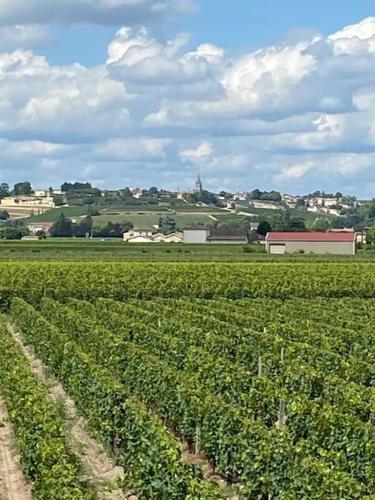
column 54, row 214
column 185, row 214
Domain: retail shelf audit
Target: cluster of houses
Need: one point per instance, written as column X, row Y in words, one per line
column 26, row 205
column 195, row 235
column 337, row 242
column 151, row 236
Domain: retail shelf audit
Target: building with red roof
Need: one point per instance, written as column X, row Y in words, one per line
column 338, row 243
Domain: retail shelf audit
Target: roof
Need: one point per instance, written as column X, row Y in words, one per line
column 46, row 224
column 314, row 236
column 196, row 227
column 227, row 233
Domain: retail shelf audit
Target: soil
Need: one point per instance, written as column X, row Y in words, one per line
column 98, row 467
column 13, row 486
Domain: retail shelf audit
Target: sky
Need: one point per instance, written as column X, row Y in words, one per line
column 267, row 94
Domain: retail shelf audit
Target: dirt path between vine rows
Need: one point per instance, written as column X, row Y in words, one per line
column 99, row 469
column 13, row 486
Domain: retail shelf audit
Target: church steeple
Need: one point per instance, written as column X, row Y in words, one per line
column 198, row 185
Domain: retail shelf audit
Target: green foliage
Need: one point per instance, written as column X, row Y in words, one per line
column 11, row 233
column 167, row 225
column 4, row 190
column 296, row 224
column 256, row 194
column 111, row 230
column 264, row 228
column 203, row 197
column 207, row 388
column 22, row 189
column 150, row 455
column 77, row 186
column 39, row 428
column 275, row 390
column 63, row 227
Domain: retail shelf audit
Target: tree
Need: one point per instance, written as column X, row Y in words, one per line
column 321, row 225
column 4, row 215
column 58, row 200
column 77, row 186
column 22, row 189
column 271, row 196
column 371, row 210
column 167, row 225
column 297, row 224
column 4, row 190
column 300, row 202
column 63, row 227
column 153, row 191
column 204, row 197
column 370, row 237
column 255, row 194
column 11, row 233
column 83, row 228
column 264, row 228
column 111, row 230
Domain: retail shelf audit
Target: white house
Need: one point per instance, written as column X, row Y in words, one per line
column 147, row 236
column 174, row 238
column 135, row 233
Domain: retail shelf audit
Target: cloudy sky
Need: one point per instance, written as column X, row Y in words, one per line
column 260, row 93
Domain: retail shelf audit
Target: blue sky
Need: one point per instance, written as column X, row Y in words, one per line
column 239, row 25
column 252, row 93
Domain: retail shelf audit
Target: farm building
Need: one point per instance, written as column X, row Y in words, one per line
column 231, row 236
column 138, row 233
column 311, row 242
column 148, row 236
column 40, row 227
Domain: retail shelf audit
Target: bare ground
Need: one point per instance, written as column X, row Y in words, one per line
column 98, row 467
column 13, row 486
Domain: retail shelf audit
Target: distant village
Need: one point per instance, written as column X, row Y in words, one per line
column 259, row 216
column 26, row 201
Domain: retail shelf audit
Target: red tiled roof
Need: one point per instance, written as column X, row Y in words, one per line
column 315, row 236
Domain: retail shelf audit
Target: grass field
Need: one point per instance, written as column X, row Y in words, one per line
column 53, row 215
column 81, row 249
column 77, row 249
column 141, row 217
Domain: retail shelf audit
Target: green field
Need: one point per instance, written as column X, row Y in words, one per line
column 53, row 215
column 141, row 217
column 115, row 249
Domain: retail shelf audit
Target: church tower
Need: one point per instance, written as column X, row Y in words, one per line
column 198, row 185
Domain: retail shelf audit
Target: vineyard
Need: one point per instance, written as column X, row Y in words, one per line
column 199, row 381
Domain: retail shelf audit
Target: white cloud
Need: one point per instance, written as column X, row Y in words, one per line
column 294, row 115
column 356, row 38
column 268, row 76
column 24, row 37
column 204, row 150
column 295, row 171
column 135, row 56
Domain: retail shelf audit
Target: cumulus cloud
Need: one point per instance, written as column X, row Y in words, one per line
column 107, row 12
column 56, row 102
column 134, row 55
column 204, row 150
column 289, row 116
